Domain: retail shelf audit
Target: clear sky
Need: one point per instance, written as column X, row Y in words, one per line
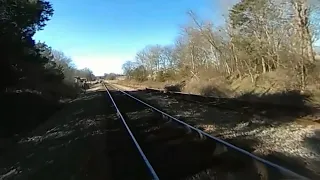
column 103, row 34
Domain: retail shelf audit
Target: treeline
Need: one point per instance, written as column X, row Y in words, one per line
column 26, row 64
column 259, row 37
column 34, row 77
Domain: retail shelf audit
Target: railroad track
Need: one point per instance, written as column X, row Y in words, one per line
column 148, row 143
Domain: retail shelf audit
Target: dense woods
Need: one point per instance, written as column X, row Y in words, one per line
column 261, row 40
column 35, row 77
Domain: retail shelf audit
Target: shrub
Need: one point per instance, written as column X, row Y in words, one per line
column 213, row 87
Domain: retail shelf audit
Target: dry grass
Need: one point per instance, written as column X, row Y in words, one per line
column 145, row 84
column 212, row 84
column 216, row 87
column 277, row 82
column 271, row 82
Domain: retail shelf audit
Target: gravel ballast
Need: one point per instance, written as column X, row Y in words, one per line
column 290, row 143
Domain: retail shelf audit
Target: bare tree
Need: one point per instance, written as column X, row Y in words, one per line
column 259, row 37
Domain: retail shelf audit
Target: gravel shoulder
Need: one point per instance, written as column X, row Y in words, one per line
column 285, row 140
column 70, row 145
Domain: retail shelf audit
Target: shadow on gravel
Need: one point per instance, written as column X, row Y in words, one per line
column 175, row 154
column 313, row 143
column 68, row 146
column 295, row 164
column 241, row 122
column 22, row 112
column 290, row 103
column 86, row 96
column 257, row 110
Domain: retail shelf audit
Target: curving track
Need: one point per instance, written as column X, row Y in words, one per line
column 150, row 144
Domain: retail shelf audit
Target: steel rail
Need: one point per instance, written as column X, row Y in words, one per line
column 201, row 133
column 145, row 159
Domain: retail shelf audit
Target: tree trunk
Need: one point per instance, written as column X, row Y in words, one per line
column 303, row 76
column 302, row 22
column 264, row 68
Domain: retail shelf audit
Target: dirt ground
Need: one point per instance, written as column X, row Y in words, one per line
column 70, row 145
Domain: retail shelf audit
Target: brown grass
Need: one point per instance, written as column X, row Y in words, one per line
column 216, row 87
column 209, row 83
column 144, row 84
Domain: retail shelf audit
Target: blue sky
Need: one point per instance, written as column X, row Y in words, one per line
column 103, row 34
